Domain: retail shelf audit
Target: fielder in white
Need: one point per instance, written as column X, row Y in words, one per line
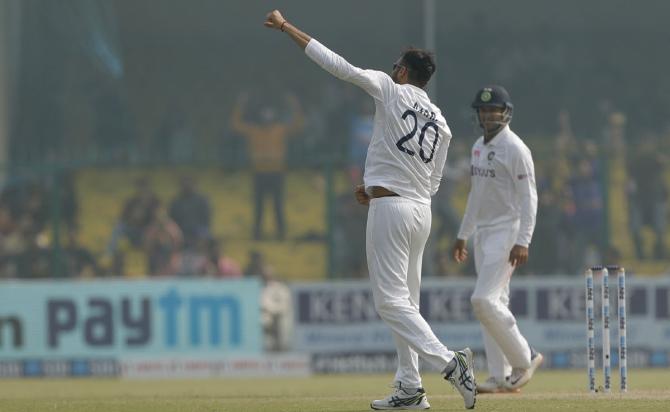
column 402, row 171
column 500, row 213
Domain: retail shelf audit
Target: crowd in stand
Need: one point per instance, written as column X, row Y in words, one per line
column 27, row 217
column 176, row 238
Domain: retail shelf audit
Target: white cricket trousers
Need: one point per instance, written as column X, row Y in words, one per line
column 396, row 235
column 504, row 345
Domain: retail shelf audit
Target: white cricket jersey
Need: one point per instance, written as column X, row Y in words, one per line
column 410, row 138
column 502, row 189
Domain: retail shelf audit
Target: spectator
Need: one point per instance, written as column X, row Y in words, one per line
column 163, row 242
column 275, row 302
column 565, row 147
column 190, row 210
column 192, row 261
column 267, row 144
column 276, row 312
column 35, row 206
column 207, row 259
column 255, row 265
column 589, row 213
column 33, row 261
column 79, row 262
column 12, row 200
column 546, row 245
column 12, row 242
column 139, row 211
column 567, row 250
column 648, row 196
column 219, row 264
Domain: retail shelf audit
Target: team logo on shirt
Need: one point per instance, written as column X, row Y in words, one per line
column 481, row 172
column 476, row 153
column 491, row 155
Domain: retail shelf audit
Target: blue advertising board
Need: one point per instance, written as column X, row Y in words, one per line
column 115, row 318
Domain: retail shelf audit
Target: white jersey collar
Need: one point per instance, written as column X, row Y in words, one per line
column 499, row 138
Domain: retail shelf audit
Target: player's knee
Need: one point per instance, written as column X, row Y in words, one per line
column 383, row 308
column 482, row 306
column 388, row 308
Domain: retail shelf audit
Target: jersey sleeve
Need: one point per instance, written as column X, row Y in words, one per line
column 523, row 174
column 441, row 159
column 377, row 84
column 469, row 222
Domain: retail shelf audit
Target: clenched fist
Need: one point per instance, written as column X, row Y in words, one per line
column 274, row 20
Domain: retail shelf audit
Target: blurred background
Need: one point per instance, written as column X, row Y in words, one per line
column 164, row 140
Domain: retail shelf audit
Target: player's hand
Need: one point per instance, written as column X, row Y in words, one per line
column 459, row 251
column 518, row 256
column 274, row 20
column 361, row 196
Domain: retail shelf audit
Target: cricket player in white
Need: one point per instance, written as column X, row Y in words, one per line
column 402, row 171
column 500, row 212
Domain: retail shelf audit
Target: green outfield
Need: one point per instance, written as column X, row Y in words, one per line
column 549, row 391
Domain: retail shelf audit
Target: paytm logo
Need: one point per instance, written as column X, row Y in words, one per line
column 195, row 320
column 171, row 303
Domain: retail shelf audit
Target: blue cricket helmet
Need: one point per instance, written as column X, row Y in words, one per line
column 493, row 95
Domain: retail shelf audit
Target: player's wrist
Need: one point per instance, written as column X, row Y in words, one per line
column 281, row 26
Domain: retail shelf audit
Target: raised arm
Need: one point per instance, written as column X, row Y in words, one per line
column 275, row 20
column 377, row 84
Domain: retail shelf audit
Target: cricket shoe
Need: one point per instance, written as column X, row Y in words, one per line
column 493, row 385
column 402, row 399
column 520, row 377
column 462, row 376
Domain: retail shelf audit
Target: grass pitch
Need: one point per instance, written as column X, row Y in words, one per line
column 649, row 390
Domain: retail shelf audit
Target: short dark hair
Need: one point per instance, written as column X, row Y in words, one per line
column 420, row 65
